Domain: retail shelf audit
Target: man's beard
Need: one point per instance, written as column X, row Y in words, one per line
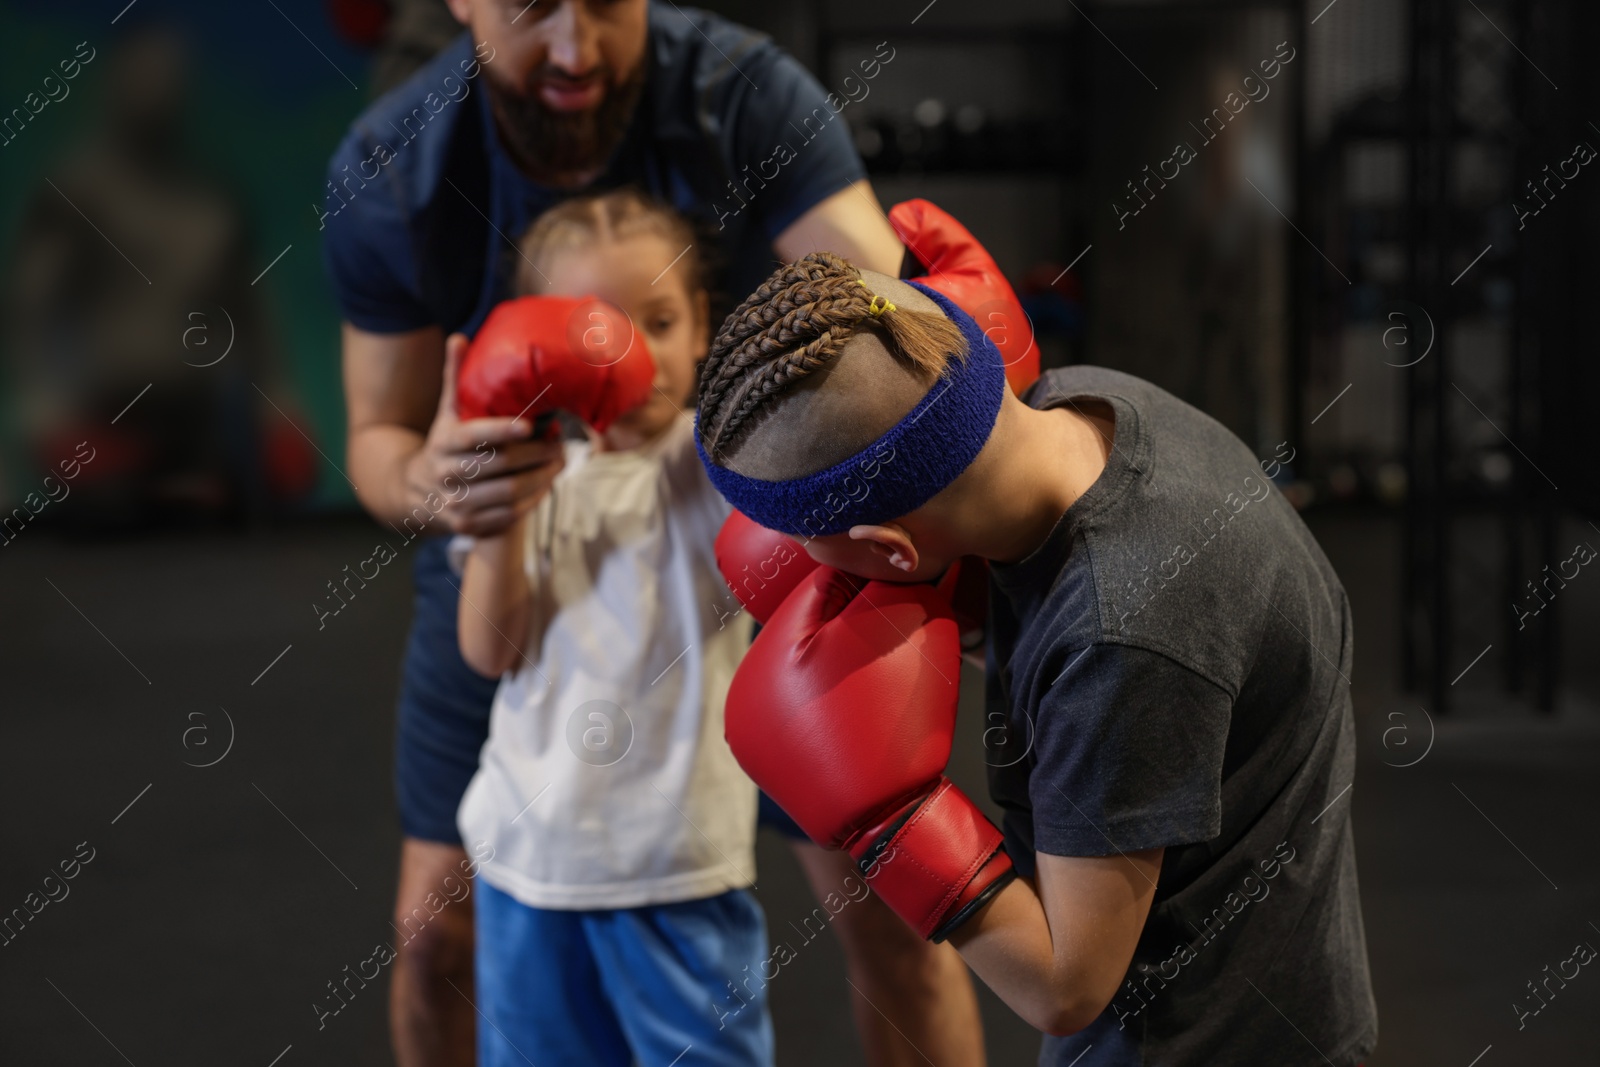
column 564, row 149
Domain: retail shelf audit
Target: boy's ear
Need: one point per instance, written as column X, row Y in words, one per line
column 890, row 542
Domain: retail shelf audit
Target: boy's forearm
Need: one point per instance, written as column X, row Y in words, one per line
column 1056, row 949
column 492, row 620
column 1009, row 946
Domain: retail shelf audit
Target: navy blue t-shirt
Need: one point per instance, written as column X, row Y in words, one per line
column 424, row 205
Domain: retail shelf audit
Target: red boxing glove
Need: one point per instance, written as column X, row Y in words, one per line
column 539, row 354
column 962, row 269
column 843, row 711
column 761, row 566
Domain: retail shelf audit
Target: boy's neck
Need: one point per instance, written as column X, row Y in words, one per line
column 1047, row 460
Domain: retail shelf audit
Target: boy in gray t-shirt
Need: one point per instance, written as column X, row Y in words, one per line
column 1172, row 668
column 1168, row 688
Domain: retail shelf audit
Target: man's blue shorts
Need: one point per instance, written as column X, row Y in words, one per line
column 443, row 718
column 662, row 984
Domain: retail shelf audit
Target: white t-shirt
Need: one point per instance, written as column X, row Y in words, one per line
column 606, row 781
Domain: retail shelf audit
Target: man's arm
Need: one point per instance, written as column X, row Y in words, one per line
column 391, row 389
column 851, row 223
column 407, row 450
column 1056, row 950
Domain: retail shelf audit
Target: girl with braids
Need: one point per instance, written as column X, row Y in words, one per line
column 615, row 921
column 614, row 906
column 1170, row 729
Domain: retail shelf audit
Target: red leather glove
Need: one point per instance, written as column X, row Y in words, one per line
column 761, row 566
column 962, row 269
column 539, row 354
column 843, row 711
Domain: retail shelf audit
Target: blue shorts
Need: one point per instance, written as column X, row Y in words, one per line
column 443, row 718
column 647, row 985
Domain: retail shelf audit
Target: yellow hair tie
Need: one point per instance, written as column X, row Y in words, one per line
column 879, row 304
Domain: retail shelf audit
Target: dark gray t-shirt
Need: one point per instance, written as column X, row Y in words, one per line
column 1172, row 667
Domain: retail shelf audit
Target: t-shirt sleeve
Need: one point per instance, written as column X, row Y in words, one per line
column 796, row 143
column 1129, row 748
column 366, row 249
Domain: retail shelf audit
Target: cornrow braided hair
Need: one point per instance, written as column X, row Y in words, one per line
column 797, row 322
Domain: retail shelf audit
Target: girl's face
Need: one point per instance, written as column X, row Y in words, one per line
column 643, row 275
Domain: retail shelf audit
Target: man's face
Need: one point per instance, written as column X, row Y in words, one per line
column 564, row 77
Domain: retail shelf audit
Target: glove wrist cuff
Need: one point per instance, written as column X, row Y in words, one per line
column 937, row 863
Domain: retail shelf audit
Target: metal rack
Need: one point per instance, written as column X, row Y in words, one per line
column 1020, row 147
column 1492, row 414
column 1476, row 496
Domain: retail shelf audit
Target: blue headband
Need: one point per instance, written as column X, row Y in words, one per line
column 903, row 469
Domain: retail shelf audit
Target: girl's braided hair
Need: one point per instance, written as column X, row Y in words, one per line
column 797, row 322
column 583, row 220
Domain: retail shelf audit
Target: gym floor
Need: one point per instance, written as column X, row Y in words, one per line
column 219, row 900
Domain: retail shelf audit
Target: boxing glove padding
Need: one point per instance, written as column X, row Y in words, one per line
column 803, row 712
column 937, row 862
column 961, row 268
column 535, row 355
column 761, row 566
column 844, row 712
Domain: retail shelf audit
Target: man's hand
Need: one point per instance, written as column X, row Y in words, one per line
column 486, row 471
